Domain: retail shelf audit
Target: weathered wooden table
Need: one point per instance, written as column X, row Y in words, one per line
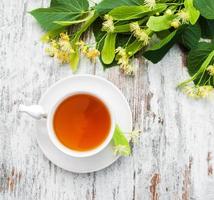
column 173, row 160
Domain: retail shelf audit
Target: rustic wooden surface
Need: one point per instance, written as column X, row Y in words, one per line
column 174, row 159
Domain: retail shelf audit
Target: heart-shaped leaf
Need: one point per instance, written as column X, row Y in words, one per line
column 159, row 50
column 107, row 5
column 190, row 36
column 134, row 12
column 61, row 10
column 206, row 8
column 207, row 28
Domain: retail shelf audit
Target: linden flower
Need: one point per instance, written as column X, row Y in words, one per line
column 83, row 47
column 142, row 36
column 64, row 43
column 168, row 12
column 134, row 26
column 63, row 56
column 108, row 24
column 121, row 150
column 198, row 91
column 80, row 43
column 92, row 54
column 210, row 70
column 127, row 69
column 121, row 52
column 150, row 3
column 139, row 33
column 89, row 53
column 123, row 61
column 134, row 136
column 64, row 36
column 205, row 91
column 183, row 16
column 65, row 46
column 53, row 49
column 175, row 24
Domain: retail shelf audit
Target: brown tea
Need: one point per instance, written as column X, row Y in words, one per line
column 82, row 122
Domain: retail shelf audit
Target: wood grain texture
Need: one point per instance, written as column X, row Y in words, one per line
column 173, row 161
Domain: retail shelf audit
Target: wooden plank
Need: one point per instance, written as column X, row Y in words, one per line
column 174, row 159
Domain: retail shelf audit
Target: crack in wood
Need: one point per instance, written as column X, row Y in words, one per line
column 153, row 187
column 13, row 179
column 187, row 180
column 209, row 164
column 94, row 187
column 134, row 179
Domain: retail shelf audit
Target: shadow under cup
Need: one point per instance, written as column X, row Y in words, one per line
column 81, row 124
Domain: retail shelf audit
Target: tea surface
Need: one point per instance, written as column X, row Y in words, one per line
column 82, row 122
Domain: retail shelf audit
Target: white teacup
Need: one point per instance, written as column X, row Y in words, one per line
column 38, row 112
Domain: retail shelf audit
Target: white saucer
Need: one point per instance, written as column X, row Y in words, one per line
column 112, row 95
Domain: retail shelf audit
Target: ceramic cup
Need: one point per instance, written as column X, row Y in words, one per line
column 37, row 112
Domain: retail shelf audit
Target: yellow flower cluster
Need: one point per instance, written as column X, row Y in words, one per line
column 182, row 17
column 139, row 33
column 150, row 3
column 175, row 23
column 121, row 150
column 198, row 92
column 210, row 70
column 90, row 53
column 168, row 12
column 123, row 60
column 60, row 48
column 108, row 24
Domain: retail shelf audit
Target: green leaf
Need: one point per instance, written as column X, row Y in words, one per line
column 134, row 12
column 206, row 8
column 160, row 23
column 129, row 12
column 71, row 4
column 119, row 140
column 108, row 51
column 74, row 59
column 99, row 37
column 190, row 36
column 193, row 13
column 207, row 28
column 134, row 47
column 107, row 5
column 159, row 50
column 68, row 23
column 197, row 57
column 65, row 10
column 126, row 27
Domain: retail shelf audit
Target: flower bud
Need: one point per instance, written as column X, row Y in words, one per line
column 175, row 24
column 168, row 12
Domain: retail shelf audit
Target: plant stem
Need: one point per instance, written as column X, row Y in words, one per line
column 85, row 26
column 201, row 70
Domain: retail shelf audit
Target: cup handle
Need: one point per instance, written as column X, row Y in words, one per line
column 35, row 111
